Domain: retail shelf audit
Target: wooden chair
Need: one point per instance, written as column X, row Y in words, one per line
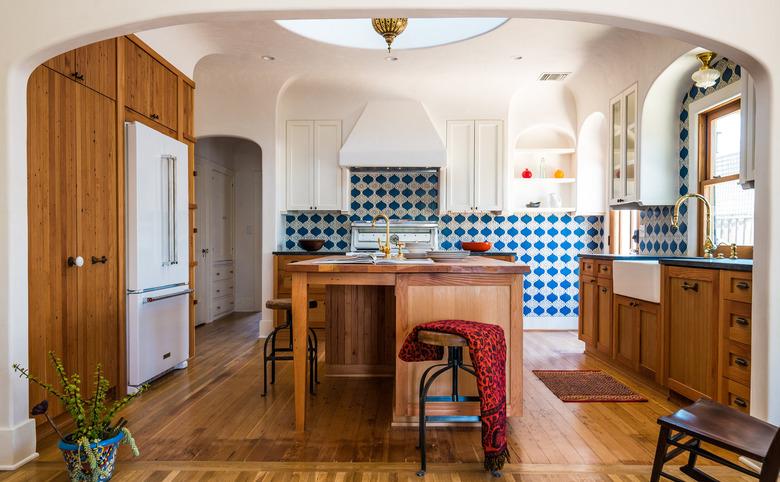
column 718, row 425
column 274, row 355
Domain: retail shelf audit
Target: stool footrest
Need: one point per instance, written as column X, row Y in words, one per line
column 453, row 418
column 448, row 398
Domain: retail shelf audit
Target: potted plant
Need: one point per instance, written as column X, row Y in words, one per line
column 90, row 450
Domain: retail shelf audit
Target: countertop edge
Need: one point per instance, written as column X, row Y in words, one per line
column 714, row 263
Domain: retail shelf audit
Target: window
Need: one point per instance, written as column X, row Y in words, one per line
column 719, row 151
column 624, row 232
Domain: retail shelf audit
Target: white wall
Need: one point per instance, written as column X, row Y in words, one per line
column 244, row 159
column 34, row 31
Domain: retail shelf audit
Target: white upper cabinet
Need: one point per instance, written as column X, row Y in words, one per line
column 475, row 165
column 623, row 153
column 314, row 178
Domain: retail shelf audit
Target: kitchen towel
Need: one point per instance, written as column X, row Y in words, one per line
column 487, row 348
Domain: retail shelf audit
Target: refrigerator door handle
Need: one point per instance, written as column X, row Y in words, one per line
column 152, row 299
column 169, row 229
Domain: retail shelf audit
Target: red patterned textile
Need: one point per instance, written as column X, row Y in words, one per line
column 487, row 348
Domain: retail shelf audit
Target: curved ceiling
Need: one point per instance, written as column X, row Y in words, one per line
column 419, row 33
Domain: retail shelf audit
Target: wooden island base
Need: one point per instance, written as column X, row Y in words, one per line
column 478, row 289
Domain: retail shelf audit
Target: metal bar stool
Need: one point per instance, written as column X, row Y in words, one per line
column 312, row 345
column 454, row 345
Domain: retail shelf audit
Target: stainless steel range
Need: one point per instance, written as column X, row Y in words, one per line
column 365, row 236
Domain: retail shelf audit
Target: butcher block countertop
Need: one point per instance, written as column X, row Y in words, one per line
column 475, row 265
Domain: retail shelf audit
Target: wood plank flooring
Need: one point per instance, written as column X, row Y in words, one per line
column 209, row 422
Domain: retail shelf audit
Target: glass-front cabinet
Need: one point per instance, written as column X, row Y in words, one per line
column 623, row 147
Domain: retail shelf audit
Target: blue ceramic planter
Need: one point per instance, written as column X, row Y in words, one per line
column 105, row 451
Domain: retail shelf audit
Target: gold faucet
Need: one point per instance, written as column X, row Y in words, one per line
column 385, row 248
column 709, row 246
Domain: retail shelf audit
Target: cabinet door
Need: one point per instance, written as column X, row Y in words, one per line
column 630, row 144
column 51, row 211
column 488, row 165
column 603, row 330
column 164, row 95
column 617, row 170
column 327, row 172
column 188, row 111
column 64, row 63
column 96, row 186
column 300, row 165
column 96, row 65
column 625, row 333
column 588, row 309
column 221, row 214
column 692, row 331
column 649, row 340
column 460, row 165
column 138, row 76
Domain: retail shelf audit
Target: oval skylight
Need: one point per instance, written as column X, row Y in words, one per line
column 419, row 33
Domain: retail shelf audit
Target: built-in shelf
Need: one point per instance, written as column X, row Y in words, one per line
column 546, row 180
column 546, row 210
column 545, row 150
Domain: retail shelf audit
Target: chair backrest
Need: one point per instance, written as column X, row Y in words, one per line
column 771, row 466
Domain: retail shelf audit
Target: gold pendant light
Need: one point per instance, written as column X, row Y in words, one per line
column 389, row 28
column 706, row 76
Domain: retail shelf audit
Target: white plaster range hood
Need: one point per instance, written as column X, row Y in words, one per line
column 393, row 133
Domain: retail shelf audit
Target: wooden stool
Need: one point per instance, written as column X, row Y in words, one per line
column 721, row 426
column 454, row 345
column 312, row 345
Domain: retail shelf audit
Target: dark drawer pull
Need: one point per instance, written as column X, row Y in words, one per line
column 603, row 290
column 742, row 321
column 743, row 285
column 96, row 260
column 77, row 75
column 741, row 361
column 154, row 116
column 693, row 287
column 603, row 268
column 740, row 402
column 588, row 266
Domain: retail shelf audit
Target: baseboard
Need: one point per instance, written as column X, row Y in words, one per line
column 560, row 323
column 265, row 328
column 17, row 445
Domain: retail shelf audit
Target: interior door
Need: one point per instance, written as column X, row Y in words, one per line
column 96, row 187
column 202, row 251
column 327, row 172
column 300, row 165
column 51, row 211
column 221, row 214
column 488, row 165
column 460, row 165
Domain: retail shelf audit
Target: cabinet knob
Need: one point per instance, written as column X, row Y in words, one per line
column 603, row 289
column 743, row 285
column 78, row 261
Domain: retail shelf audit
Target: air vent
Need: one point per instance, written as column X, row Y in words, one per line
column 553, row 76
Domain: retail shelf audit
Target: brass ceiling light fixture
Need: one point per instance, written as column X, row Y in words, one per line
column 706, row 76
column 389, row 28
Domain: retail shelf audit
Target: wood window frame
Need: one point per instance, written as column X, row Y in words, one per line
column 705, row 168
column 622, row 224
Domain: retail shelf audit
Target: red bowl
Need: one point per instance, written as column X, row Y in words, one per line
column 478, row 246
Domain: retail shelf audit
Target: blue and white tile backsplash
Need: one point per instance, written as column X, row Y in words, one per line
column 549, row 243
column 660, row 239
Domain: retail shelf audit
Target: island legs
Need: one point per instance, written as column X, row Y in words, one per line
column 300, row 309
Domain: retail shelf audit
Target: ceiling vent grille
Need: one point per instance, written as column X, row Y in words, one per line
column 553, row 76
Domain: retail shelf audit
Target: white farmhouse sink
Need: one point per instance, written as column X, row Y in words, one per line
column 637, row 279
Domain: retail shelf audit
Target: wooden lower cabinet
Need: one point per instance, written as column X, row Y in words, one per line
column 283, row 289
column 626, row 333
column 691, row 327
column 604, row 330
column 588, row 309
column 636, row 335
column 649, row 327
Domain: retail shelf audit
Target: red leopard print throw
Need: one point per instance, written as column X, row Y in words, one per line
column 487, row 348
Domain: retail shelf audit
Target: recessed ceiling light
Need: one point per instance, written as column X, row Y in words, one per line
column 390, row 58
column 268, row 57
column 519, row 57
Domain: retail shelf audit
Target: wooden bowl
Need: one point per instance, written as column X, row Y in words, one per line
column 311, row 244
column 477, row 246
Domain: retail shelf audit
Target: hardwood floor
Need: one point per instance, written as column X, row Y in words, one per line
column 209, row 422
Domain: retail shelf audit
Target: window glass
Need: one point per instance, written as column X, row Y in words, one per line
column 732, row 213
column 724, row 148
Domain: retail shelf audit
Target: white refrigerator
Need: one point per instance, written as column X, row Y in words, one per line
column 158, row 291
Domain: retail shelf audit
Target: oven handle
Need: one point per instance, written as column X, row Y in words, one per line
column 152, row 299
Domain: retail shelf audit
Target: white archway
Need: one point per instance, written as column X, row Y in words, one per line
column 33, row 32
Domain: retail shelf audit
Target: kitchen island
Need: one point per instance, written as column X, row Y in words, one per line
column 478, row 289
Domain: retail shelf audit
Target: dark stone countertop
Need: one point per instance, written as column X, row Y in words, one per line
column 337, row 253
column 692, row 262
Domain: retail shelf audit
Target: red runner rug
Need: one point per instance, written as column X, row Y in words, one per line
column 487, row 348
column 586, row 386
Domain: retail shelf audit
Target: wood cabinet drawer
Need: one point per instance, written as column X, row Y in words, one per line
column 604, row 269
column 736, row 321
column 736, row 286
column 222, row 288
column 736, row 395
column 223, row 305
column 222, row 272
column 736, row 362
column 588, row 267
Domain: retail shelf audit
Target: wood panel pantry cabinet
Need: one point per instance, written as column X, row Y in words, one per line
column 314, row 177
column 475, row 165
column 78, row 103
